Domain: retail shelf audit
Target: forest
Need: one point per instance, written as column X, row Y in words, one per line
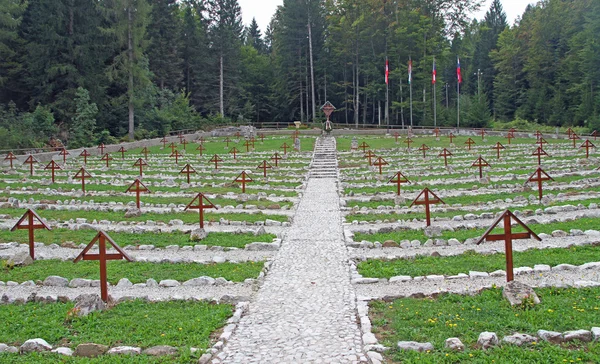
column 91, row 71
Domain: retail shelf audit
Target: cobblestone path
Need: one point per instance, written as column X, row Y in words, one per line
column 305, row 310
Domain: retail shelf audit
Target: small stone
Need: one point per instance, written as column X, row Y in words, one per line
column 90, row 350
column 474, row 274
column 124, row 283
column 169, row 283
column 124, row 350
column 390, row 244
column 200, row 281
column 88, row 303
column 520, row 339
column 596, row 333
column 161, row 350
column 79, row 282
column 21, row 259
column 550, row 336
column 455, row 344
column 133, row 213
column 400, row 279
column 35, row 345
column 487, row 340
column 516, row 292
column 579, row 335
column 63, row 351
column 56, row 281
column 414, row 346
column 559, row 234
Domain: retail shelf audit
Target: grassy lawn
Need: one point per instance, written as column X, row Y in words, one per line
column 182, row 324
column 465, row 317
column 159, row 240
column 136, row 272
column 452, row 265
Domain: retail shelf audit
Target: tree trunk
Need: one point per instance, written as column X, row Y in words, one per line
column 130, row 84
column 221, row 87
column 312, row 69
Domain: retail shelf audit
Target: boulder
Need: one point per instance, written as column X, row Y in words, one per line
column 516, row 292
column 88, row 303
column 520, row 339
column 198, row 235
column 552, row 337
column 596, row 333
column 56, row 281
column 414, row 346
column 35, row 345
column 90, row 350
column 79, row 282
column 455, row 344
column 21, row 259
column 161, row 350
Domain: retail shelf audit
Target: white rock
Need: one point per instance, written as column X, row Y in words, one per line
column 124, row 350
column 475, row 274
column 414, row 346
column 35, row 345
column 369, row 339
column 56, row 281
column 487, row 340
column 538, row 268
column 596, row 333
column 580, row 335
column 435, row 277
column 200, row 281
column 124, row 283
column 63, row 351
column 455, row 344
column 400, row 279
column 561, row 267
column 586, row 284
column 520, row 339
column 169, row 283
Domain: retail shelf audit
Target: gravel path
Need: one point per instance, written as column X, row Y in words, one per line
column 306, row 309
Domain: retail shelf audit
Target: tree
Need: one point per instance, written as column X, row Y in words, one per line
column 84, row 122
column 11, row 12
column 254, row 37
column 163, row 49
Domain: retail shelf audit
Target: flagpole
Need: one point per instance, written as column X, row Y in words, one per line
column 458, row 105
column 410, row 89
column 387, row 93
column 434, row 95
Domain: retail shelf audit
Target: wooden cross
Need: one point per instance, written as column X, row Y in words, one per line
column 216, row 159
column 201, row 140
column 296, row 134
column 364, row 146
column 247, row 144
column 482, row 133
column 264, row 166
column 176, row 154
column 574, row 137
column 370, row 155
column 380, row 162
column 436, row 131
column 539, row 176
column 427, row 201
column 234, row 151
column 539, row 152
column 570, row 132
column 498, row 148
column 243, row 178
column 53, row 166
column 538, row 134
column 106, row 158
column 145, row 152
column 122, row 150
column 84, row 154
column 541, row 141
column 285, row 147
column 82, row 174
column 200, row 149
column 173, row 146
column 424, row 149
column 200, row 206
column 399, row 179
column 64, row 153
column 180, row 136
column 140, row 163
column 451, row 136
column 227, row 141
column 138, row 187
column 30, row 160
column 408, row 141
column 252, row 140
column 187, row 170
column 594, row 134
column 445, row 153
column 587, row 145
column 164, row 141
column 184, row 143
column 469, row 142
column 10, row 157
column 480, row 162
column 102, row 257
column 30, row 215
column 276, row 157
column 510, row 136
column 396, row 135
column 237, row 134
column 101, row 147
column 262, row 137
column 506, row 218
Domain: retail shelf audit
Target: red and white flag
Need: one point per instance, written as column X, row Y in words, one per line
column 387, row 71
column 409, row 71
column 458, row 75
column 434, row 73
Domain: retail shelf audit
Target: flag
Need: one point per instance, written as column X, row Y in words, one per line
column 387, row 71
column 409, row 71
column 434, row 73
column 458, row 75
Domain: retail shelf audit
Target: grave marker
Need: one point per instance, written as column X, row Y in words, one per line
column 101, row 147
column 541, row 141
column 64, row 153
column 285, row 147
column 227, row 141
column 106, row 158
column 30, row 215
column 427, row 201
column 82, row 174
column 570, row 132
column 53, row 166
column 480, row 162
column 264, row 166
column 234, row 151
column 200, row 206
column 276, row 157
column 436, row 131
column 30, row 160
column 247, row 145
column 145, row 152
column 482, row 133
column 370, row 155
column 445, row 153
column 181, row 137
column 102, row 257
column 539, row 152
column 498, row 148
column 200, row 149
column 216, row 160
column 399, row 179
column 574, row 137
column 187, row 170
column 243, row 178
column 184, row 143
column 140, row 163
column 424, row 149
column 177, row 155
column 451, row 136
column 587, row 145
column 506, row 218
column 122, row 150
column 164, row 141
column 538, row 134
column 10, row 157
column 539, row 176
column 509, row 136
column 469, row 142
column 594, row 134
column 262, row 137
column 138, row 187
column 173, row 146
column 364, row 146
column 396, row 135
column 380, row 162
column 408, row 141
column 84, row 154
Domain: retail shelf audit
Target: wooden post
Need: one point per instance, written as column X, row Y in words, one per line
column 84, row 154
column 30, row 216
column 574, row 137
column 101, row 147
column 216, row 159
column 469, row 142
column 200, row 149
column 102, row 257
column 200, row 206
column 541, row 141
column 594, row 134
column 570, row 132
column 508, row 236
column 264, row 166
column 82, row 174
column 247, row 144
column 187, row 170
column 30, row 160
column 587, row 145
column 538, row 134
column 285, row 147
column 451, row 136
column 436, row 131
column 262, row 137
column 10, row 157
column 427, row 201
column 184, row 143
column 138, row 187
column 424, row 149
column 380, row 162
column 510, row 136
column 539, row 176
column 480, row 162
column 140, row 163
column 396, row 135
column 173, row 147
column 399, row 179
column 64, row 153
column 276, row 157
column 145, row 152
column 227, row 141
column 243, row 178
column 122, row 150
column 106, row 158
column 364, row 146
column 234, row 151
column 370, row 155
column 498, row 148
column 408, row 141
column 53, row 166
column 176, row 154
column 164, row 141
column 445, row 153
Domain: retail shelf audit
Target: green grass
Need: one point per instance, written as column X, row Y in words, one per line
column 452, row 265
column 465, row 317
column 182, row 324
column 136, row 272
column 160, row 240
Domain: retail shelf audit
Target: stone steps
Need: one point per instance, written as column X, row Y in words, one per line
column 324, row 163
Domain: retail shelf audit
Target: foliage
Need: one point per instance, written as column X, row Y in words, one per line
column 84, row 121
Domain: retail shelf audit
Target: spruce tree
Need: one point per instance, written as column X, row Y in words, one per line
column 163, row 49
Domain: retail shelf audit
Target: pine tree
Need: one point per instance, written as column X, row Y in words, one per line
column 11, row 12
column 84, row 121
column 254, row 37
column 163, row 49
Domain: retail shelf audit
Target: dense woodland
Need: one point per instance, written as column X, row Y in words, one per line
column 89, row 71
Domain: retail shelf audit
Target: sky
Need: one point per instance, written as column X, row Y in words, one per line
column 263, row 10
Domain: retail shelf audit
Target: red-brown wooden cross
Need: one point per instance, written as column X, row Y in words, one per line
column 234, row 151
column 539, row 152
column 570, row 132
column 184, row 143
column 451, row 136
column 587, row 145
column 138, row 187
column 541, row 141
column 574, row 137
column 53, row 166
column 506, row 218
column 285, row 147
column 264, row 166
column 164, row 141
column 177, row 155
column 29, row 216
column 243, row 178
column 101, row 147
column 436, row 131
column 237, row 134
column 102, row 257
column 227, row 141
column 364, row 146
column 84, row 154
column 498, row 148
column 296, row 134
column 247, row 144
column 10, row 157
column 252, row 140
column 64, row 153
column 173, row 146
column 82, row 174
column 396, row 135
column 145, row 152
column 276, row 157
column 594, row 134
column 380, row 162
column 140, row 163
column 187, row 170
column 216, row 160
column 370, row 155
column 539, row 176
column 469, row 142
column 445, row 153
column 30, row 160
column 201, row 140
column 262, row 137
column 399, row 179
column 427, row 201
column 408, row 142
column 424, row 149
column 107, row 158
column 200, row 206
column 480, row 162
column 200, row 149
column 181, row 137
column 510, row 135
column 538, row 134
column 482, row 133
column 122, row 150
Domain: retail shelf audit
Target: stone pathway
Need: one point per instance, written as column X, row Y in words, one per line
column 305, row 311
